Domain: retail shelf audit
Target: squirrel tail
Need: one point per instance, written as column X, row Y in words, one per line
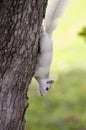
column 53, row 12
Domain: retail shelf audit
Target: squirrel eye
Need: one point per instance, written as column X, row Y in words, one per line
column 47, row 89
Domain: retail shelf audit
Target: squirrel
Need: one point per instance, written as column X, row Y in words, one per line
column 53, row 12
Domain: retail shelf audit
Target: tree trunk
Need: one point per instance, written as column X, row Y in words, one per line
column 20, row 23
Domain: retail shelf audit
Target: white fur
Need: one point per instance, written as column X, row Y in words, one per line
column 44, row 61
column 54, row 11
column 45, row 56
column 43, row 85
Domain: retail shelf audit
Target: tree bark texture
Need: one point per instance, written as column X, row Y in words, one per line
column 20, row 23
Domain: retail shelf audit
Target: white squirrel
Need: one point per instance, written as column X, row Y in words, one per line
column 54, row 11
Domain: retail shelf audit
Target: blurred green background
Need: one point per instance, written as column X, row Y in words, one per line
column 64, row 107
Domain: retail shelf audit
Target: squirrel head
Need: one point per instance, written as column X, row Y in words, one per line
column 44, row 86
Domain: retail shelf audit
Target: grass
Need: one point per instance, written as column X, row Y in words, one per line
column 64, row 107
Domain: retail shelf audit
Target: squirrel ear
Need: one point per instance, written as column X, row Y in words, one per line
column 50, row 82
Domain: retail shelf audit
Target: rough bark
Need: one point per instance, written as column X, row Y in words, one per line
column 20, row 23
